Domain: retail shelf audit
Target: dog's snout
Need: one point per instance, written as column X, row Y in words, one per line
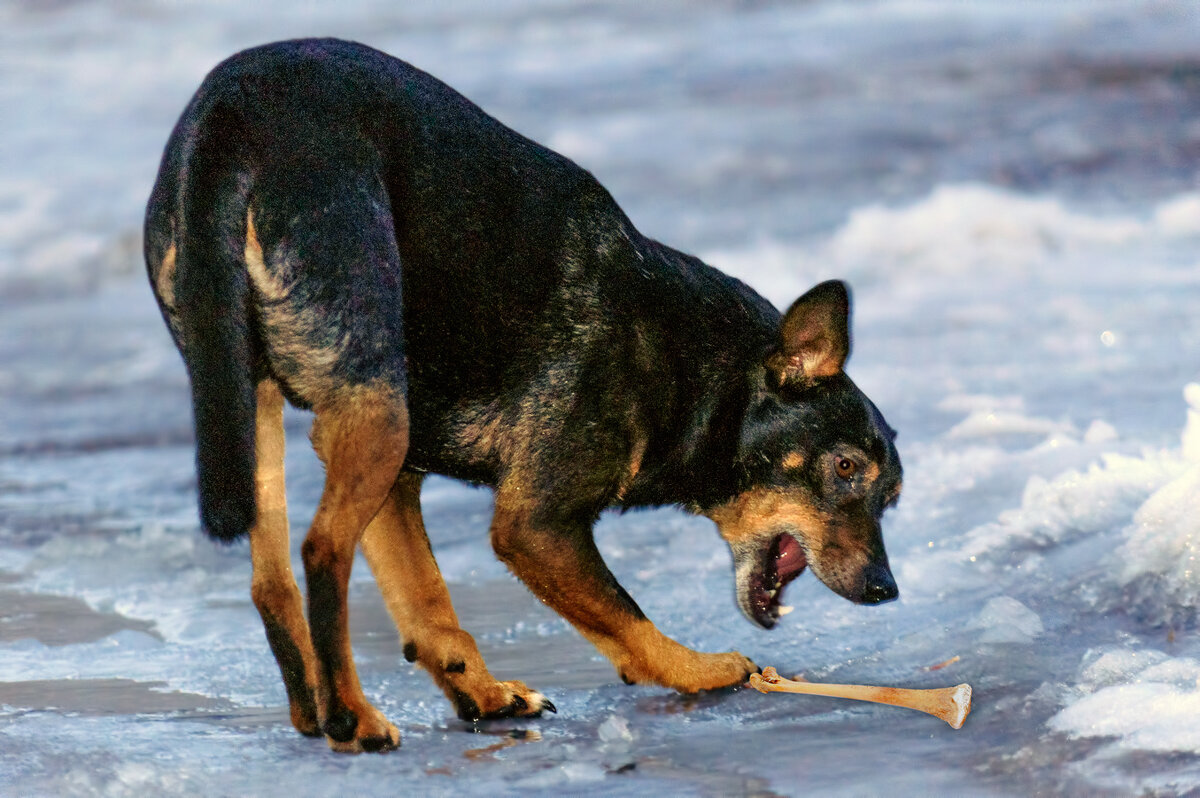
column 880, row 586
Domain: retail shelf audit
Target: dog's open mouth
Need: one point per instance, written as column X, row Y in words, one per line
column 781, row 562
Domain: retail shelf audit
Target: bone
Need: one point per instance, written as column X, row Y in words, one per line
column 951, row 704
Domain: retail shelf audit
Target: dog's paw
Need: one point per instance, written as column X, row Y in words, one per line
column 691, row 671
column 367, row 732
column 303, row 709
column 718, row 671
column 501, row 700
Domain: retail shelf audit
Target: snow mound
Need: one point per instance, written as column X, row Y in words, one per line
column 958, row 230
column 959, row 227
column 1179, row 216
column 989, row 423
column 1143, row 698
column 1125, row 528
column 1073, row 505
column 1148, row 716
column 1159, row 558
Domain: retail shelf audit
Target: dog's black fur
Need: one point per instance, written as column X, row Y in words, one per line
column 537, row 339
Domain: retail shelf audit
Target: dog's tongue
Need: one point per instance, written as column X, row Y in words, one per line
column 789, row 558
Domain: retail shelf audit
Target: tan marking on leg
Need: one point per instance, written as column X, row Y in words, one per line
column 288, row 326
column 397, row 548
column 361, row 438
column 570, row 580
column 269, row 286
column 164, row 281
column 273, row 587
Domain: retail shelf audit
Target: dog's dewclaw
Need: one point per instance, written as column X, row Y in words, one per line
column 951, row 704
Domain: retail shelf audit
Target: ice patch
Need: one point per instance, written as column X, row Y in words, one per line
column 569, row 773
column 1006, row 620
column 615, row 729
column 1116, row 666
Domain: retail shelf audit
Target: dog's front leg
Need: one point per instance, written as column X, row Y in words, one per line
column 397, row 549
column 559, row 562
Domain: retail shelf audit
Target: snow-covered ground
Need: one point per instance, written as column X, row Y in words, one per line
column 1013, row 191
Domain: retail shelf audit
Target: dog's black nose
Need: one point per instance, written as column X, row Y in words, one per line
column 880, row 587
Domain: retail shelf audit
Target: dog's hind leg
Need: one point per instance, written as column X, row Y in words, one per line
column 325, row 274
column 397, row 548
column 361, row 437
column 559, row 562
column 273, row 586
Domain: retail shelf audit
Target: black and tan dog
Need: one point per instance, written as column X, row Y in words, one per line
column 336, row 228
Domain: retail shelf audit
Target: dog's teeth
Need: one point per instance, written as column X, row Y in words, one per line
column 778, row 585
column 784, row 609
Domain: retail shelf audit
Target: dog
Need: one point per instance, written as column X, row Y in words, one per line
column 334, row 228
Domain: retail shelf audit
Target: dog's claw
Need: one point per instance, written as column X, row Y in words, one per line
column 518, row 702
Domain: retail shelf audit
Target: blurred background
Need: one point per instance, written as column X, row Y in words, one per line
column 1013, row 191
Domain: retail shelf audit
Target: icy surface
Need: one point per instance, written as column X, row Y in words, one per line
column 1011, row 189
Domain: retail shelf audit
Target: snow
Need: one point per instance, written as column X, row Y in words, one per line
column 1147, row 716
column 960, row 228
column 1179, row 216
column 1010, row 190
column 989, row 423
column 1143, row 699
column 1160, row 570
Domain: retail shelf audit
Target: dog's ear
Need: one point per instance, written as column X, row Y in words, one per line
column 814, row 336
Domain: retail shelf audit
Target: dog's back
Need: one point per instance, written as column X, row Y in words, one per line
column 375, row 225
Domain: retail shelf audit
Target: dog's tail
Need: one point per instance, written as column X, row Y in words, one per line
column 218, row 342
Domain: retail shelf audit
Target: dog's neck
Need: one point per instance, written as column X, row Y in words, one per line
column 722, row 330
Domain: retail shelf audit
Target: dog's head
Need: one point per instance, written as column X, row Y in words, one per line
column 819, row 468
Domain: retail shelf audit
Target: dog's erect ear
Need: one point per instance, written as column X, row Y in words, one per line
column 814, row 335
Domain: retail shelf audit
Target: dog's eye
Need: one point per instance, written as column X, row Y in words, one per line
column 845, row 467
